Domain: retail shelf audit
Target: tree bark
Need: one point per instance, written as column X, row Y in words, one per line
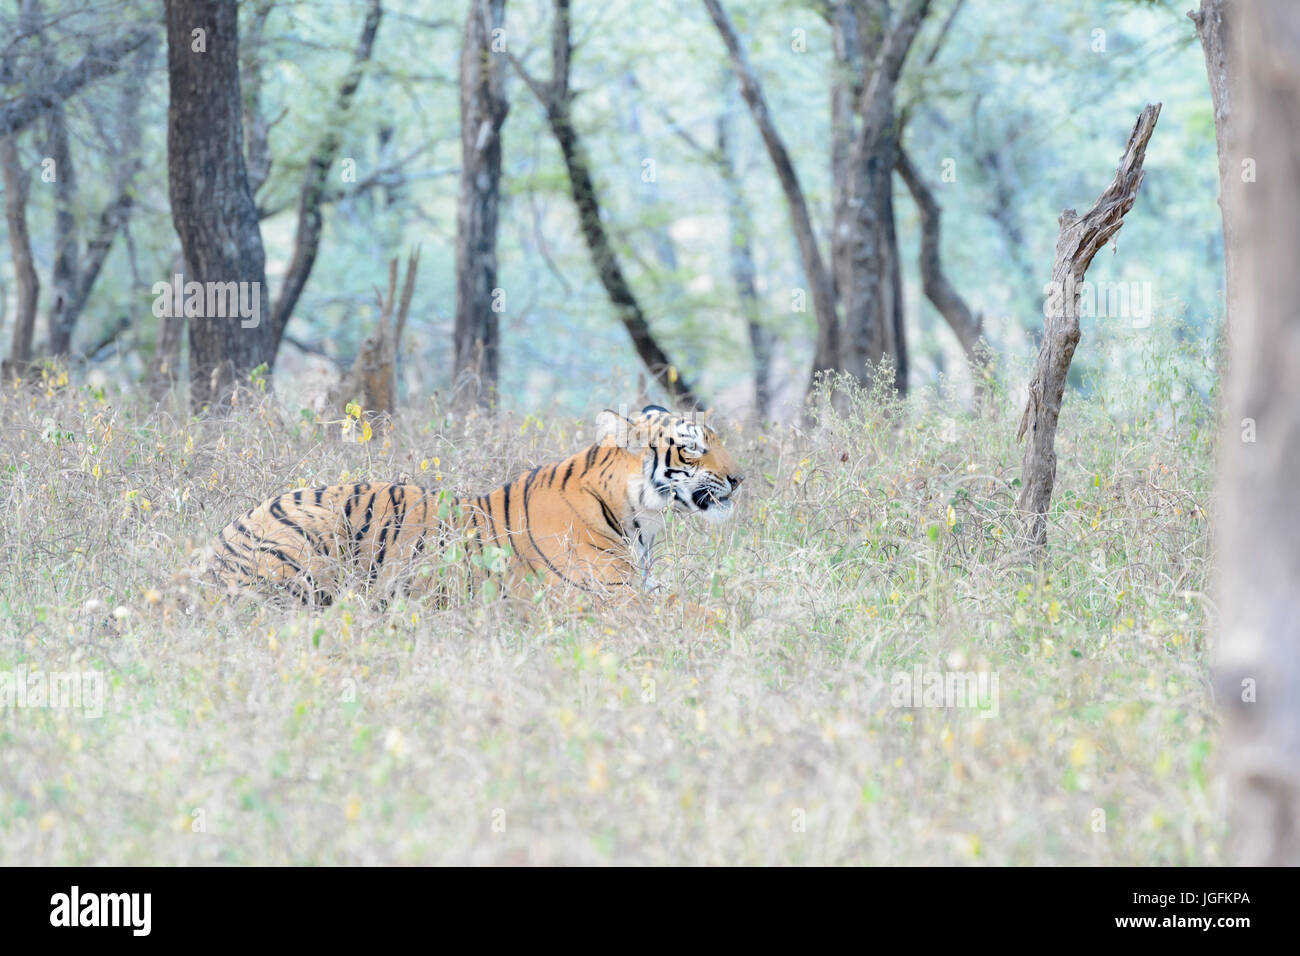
column 371, row 381
column 306, row 241
column 846, row 90
column 1079, row 240
column 826, row 354
column 893, row 289
column 212, row 205
column 557, row 101
column 1216, row 23
column 873, row 327
column 1257, row 673
column 20, row 245
column 66, row 243
column 483, row 108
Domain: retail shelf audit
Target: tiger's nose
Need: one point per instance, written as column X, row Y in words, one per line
column 735, row 480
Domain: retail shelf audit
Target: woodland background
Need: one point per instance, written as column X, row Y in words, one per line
column 1008, row 111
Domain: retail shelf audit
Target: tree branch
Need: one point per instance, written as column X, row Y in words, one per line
column 964, row 323
column 556, row 100
column 827, row 352
column 100, row 60
column 310, row 222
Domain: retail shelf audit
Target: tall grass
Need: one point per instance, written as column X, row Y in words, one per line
column 871, row 544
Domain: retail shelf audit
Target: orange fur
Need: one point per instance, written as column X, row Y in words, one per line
column 588, row 521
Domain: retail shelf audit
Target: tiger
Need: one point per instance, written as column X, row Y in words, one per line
column 589, row 520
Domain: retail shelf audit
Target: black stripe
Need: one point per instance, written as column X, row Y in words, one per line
column 354, row 541
column 279, row 555
column 278, row 513
column 490, row 517
column 238, row 567
column 541, row 554
column 399, row 508
column 608, row 514
column 378, row 562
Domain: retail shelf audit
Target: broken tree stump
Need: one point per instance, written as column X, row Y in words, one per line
column 371, row 382
column 1078, row 242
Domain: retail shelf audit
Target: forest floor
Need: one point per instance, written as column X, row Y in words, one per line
column 873, row 546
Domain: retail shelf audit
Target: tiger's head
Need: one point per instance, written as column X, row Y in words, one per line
column 682, row 462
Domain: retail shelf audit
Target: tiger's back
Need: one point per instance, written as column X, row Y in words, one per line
column 312, row 543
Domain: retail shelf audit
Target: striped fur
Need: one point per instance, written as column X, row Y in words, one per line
column 589, row 520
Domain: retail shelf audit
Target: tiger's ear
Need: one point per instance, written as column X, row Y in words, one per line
column 613, row 428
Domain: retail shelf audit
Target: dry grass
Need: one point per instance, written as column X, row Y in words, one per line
column 496, row 733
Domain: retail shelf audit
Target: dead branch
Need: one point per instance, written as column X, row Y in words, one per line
column 371, row 382
column 1079, row 240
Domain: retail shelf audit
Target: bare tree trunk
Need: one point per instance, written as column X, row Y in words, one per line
column 873, row 330
column 1216, row 23
column 66, row 243
column 557, row 99
column 306, row 241
column 257, row 131
column 114, row 217
column 826, row 354
column 846, row 90
column 20, row 245
column 212, row 205
column 743, row 272
column 1079, row 240
column 965, row 324
column 893, row 289
column 1258, row 667
column 740, row 219
column 483, row 108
